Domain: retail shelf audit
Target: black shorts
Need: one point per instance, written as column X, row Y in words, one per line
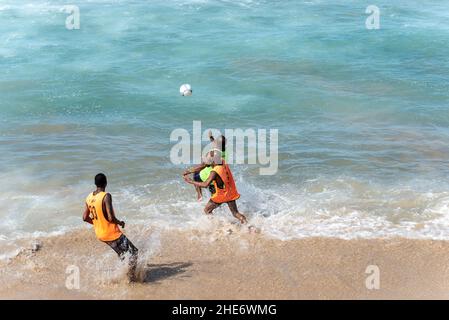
column 122, row 246
column 196, row 177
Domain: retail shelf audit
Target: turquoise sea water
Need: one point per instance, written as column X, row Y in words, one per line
column 363, row 115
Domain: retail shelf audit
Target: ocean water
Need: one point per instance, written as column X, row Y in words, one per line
column 363, row 115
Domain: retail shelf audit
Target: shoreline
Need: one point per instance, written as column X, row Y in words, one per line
column 231, row 265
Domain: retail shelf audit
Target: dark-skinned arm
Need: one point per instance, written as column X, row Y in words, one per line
column 198, row 168
column 110, row 214
column 204, row 184
column 86, row 215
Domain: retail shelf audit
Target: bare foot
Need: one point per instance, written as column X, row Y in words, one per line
column 200, row 198
column 241, row 218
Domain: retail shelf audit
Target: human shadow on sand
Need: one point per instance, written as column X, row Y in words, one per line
column 157, row 272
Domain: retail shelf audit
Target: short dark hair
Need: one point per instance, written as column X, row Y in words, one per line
column 100, row 180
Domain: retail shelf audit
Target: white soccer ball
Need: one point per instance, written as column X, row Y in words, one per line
column 185, row 90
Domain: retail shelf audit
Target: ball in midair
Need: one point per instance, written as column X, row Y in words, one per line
column 185, row 90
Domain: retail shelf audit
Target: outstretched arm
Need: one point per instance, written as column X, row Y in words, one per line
column 86, row 215
column 110, row 211
column 198, row 168
column 204, row 184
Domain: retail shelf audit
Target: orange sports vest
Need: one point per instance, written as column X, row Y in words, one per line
column 229, row 191
column 104, row 230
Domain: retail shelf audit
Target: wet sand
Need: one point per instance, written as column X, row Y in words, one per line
column 230, row 265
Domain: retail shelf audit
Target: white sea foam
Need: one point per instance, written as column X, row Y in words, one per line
column 344, row 208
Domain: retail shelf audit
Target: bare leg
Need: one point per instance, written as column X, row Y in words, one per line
column 235, row 212
column 133, row 252
column 199, row 193
column 132, row 275
column 211, row 206
column 123, row 247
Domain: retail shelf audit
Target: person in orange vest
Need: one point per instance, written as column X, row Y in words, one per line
column 100, row 213
column 223, row 185
column 203, row 170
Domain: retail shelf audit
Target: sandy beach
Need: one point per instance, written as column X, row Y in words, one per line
column 231, row 265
